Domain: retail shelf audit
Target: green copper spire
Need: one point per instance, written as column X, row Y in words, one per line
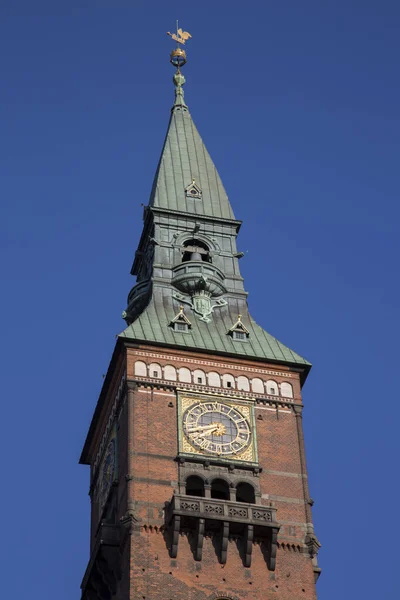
column 187, row 255
column 185, row 159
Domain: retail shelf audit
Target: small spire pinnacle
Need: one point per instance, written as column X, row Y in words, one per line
column 178, row 60
column 179, row 81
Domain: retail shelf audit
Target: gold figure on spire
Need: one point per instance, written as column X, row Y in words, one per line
column 180, row 36
column 178, row 56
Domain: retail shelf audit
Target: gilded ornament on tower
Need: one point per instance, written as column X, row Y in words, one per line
column 178, row 56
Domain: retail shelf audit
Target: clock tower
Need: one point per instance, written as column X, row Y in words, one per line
column 198, row 479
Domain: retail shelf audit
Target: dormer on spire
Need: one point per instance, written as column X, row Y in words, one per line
column 193, row 190
column 180, row 322
column 238, row 331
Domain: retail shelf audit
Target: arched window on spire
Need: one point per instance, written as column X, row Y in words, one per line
column 195, row 250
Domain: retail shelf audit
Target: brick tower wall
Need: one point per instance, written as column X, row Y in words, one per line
column 150, row 474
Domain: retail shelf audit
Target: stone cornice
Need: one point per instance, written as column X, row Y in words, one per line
column 216, row 363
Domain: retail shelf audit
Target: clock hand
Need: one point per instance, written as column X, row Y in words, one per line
column 205, row 428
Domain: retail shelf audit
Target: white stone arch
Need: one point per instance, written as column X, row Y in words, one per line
column 214, row 379
column 140, row 368
column 170, row 373
column 185, row 375
column 272, row 388
column 243, row 383
column 228, row 381
column 257, row 385
column 286, row 389
column 199, row 377
column 155, row 370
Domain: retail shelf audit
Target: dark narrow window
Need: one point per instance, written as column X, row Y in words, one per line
column 245, row 493
column 194, row 486
column 220, row 489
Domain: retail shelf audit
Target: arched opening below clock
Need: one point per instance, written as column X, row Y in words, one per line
column 245, row 493
column 195, row 486
column 220, row 489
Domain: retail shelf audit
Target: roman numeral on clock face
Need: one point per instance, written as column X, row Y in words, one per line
column 202, row 443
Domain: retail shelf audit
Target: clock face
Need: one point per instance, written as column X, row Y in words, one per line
column 216, row 428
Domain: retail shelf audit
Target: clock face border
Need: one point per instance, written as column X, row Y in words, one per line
column 246, row 407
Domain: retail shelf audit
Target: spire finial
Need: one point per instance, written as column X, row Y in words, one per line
column 178, row 59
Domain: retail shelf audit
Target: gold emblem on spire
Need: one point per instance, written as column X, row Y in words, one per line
column 178, row 56
column 180, row 36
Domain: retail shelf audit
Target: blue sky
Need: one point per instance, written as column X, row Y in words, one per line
column 298, row 103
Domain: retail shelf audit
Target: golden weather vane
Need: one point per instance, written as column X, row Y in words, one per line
column 178, row 56
column 180, row 36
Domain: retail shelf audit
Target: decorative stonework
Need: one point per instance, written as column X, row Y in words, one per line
column 312, row 544
column 223, row 596
column 201, row 304
column 262, row 403
column 186, row 505
column 290, row 547
column 211, row 363
column 259, row 398
column 185, row 511
column 213, row 509
column 238, row 512
column 264, row 515
column 212, row 379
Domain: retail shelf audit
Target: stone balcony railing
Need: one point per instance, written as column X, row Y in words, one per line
column 224, row 518
column 191, row 276
column 137, row 299
column 224, row 510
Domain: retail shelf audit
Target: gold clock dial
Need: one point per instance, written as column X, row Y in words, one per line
column 216, row 428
